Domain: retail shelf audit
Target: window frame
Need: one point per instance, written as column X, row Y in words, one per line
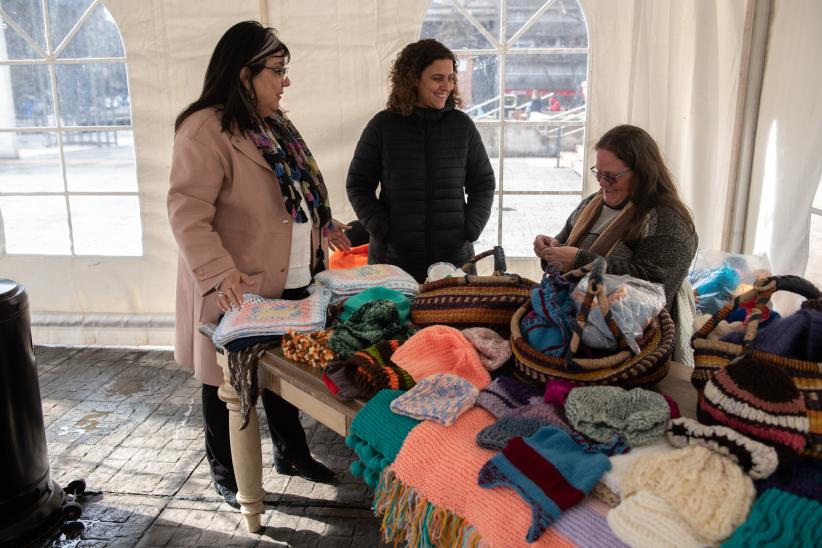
column 502, row 48
column 51, row 59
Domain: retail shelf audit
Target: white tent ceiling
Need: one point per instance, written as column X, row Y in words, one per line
column 689, row 71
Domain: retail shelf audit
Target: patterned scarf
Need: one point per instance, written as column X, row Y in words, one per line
column 284, row 149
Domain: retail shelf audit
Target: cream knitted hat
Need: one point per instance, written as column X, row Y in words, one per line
column 648, row 521
column 710, row 492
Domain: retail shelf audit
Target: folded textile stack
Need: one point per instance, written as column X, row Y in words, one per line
column 377, row 435
column 348, row 282
column 260, row 317
column 373, row 322
column 366, row 372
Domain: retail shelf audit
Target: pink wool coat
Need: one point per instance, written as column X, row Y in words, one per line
column 226, row 212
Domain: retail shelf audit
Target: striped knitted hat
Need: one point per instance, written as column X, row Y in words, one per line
column 759, row 400
column 375, row 370
column 756, row 458
column 549, row 470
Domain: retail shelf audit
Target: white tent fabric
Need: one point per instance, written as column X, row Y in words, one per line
column 788, row 156
column 671, row 66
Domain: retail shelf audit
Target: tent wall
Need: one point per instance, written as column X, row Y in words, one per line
column 672, row 67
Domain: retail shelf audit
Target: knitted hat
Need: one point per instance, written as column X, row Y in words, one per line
column 801, row 476
column 441, row 349
column 548, row 470
column 639, row 415
column 441, row 398
column 373, row 369
column 339, row 378
column 672, row 406
column 493, row 350
column 708, row 490
column 378, row 293
column 759, row 400
column 755, row 458
column 557, row 390
column 374, row 321
column 504, row 395
column 648, row 521
column 780, row 519
column 522, row 422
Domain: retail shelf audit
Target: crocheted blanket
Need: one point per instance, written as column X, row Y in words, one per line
column 259, row 316
column 430, row 496
column 343, row 283
column 377, row 434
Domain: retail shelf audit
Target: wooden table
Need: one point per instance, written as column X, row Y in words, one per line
column 303, row 386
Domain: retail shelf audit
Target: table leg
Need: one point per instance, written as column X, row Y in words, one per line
column 247, row 457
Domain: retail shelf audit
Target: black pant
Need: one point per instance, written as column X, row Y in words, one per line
column 283, row 422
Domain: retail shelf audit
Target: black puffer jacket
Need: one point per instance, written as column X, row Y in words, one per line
column 425, row 163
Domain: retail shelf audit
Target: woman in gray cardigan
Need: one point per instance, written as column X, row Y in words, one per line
column 636, row 220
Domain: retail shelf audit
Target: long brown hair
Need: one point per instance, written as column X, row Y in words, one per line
column 407, row 69
column 653, row 183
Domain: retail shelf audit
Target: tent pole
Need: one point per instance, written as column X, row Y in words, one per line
column 264, row 12
column 754, row 75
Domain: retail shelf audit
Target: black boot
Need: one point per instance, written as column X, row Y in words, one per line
column 305, row 467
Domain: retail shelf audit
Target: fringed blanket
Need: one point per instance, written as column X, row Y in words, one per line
column 377, row 434
column 430, row 496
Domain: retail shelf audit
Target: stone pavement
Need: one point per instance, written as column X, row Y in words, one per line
column 129, row 422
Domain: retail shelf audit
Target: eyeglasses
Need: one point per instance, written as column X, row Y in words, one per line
column 279, row 71
column 609, row 178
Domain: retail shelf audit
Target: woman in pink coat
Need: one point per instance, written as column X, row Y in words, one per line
column 249, row 210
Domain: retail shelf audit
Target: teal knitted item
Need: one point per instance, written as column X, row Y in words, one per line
column 638, row 415
column 379, row 293
column 371, row 323
column 782, row 520
column 377, row 434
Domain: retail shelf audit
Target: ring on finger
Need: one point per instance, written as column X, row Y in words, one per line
column 221, row 294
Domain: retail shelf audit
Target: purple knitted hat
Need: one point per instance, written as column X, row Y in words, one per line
column 441, row 398
column 504, row 395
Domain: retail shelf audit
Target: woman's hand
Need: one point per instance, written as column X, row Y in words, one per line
column 562, row 257
column 542, row 241
column 229, row 294
column 337, row 240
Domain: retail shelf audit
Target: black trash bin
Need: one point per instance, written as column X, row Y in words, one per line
column 30, row 502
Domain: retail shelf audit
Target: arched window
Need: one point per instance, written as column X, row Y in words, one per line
column 68, row 181
column 523, row 75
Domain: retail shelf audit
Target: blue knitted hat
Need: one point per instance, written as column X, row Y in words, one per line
column 549, row 470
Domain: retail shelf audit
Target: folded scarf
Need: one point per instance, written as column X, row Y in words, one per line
column 367, row 371
column 377, row 435
column 371, row 323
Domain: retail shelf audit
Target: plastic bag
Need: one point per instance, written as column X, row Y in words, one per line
column 634, row 304
column 718, row 276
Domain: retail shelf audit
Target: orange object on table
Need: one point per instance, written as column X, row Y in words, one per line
column 356, row 256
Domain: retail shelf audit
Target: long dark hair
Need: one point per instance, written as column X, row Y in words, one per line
column 653, row 183
column 246, row 44
column 407, row 69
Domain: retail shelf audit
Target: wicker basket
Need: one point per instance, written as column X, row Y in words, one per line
column 473, row 301
column 621, row 368
column 712, row 354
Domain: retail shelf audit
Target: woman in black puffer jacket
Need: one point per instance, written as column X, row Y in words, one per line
column 427, row 157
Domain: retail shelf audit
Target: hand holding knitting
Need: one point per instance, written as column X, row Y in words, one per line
column 562, row 257
column 542, row 241
column 229, row 294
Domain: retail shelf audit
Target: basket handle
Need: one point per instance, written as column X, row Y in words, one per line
column 595, row 289
column 761, row 292
column 499, row 260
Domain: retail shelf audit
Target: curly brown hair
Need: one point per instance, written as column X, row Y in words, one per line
column 407, row 69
